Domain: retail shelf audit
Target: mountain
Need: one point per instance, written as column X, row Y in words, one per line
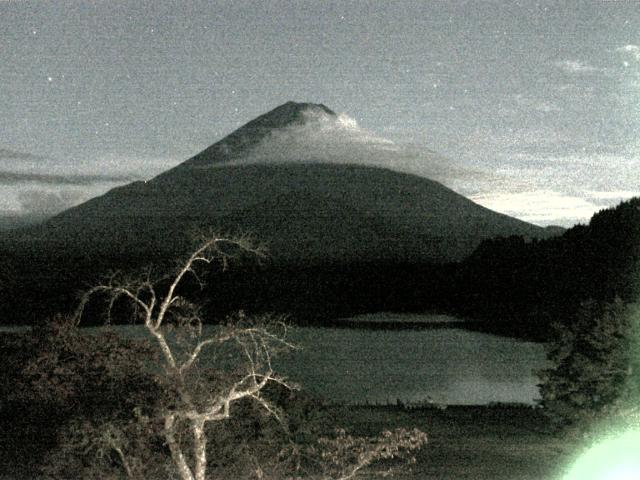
column 342, row 237
column 304, row 212
column 242, row 140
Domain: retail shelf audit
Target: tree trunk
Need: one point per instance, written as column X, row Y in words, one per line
column 176, row 452
column 200, row 449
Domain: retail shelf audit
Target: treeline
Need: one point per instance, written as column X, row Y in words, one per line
column 517, row 286
column 526, row 285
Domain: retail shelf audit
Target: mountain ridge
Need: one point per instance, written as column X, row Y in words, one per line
column 250, row 134
column 333, row 230
column 417, row 216
column 369, row 212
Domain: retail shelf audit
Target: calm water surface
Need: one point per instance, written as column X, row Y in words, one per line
column 444, row 365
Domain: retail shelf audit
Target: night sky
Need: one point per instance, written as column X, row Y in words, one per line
column 542, row 98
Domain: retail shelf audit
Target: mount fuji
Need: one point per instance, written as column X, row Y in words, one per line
column 308, row 183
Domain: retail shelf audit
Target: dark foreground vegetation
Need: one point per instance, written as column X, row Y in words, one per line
column 516, row 286
column 464, row 443
column 105, row 406
column 67, row 435
column 498, row 442
column 80, row 406
column 69, row 398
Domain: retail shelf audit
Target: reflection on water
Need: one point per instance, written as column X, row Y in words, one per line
column 448, row 366
column 445, row 365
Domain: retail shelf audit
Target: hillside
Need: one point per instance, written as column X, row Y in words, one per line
column 303, row 212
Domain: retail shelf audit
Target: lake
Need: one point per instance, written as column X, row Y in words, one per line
column 443, row 365
column 415, row 366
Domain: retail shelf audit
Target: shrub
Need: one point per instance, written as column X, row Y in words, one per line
column 592, row 361
column 154, row 408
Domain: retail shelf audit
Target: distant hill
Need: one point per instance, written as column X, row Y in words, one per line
column 7, row 154
column 523, row 286
column 12, row 221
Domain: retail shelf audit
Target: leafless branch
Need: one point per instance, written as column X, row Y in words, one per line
column 256, row 343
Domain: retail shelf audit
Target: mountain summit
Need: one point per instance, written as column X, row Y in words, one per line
column 246, row 137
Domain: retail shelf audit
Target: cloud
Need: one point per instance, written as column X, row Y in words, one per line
column 6, row 154
column 48, row 202
column 560, row 190
column 43, row 186
column 633, row 50
column 541, row 140
column 535, row 104
column 576, row 67
column 340, row 140
column 123, row 165
column 12, row 178
column 542, row 207
column 607, row 198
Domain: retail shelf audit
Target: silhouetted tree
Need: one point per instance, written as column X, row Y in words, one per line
column 162, row 405
column 591, row 357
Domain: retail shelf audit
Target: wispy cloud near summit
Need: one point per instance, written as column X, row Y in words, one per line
column 339, row 139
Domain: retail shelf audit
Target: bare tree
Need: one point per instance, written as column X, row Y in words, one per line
column 201, row 374
column 176, row 327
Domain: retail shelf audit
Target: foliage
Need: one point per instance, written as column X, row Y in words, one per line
column 158, row 407
column 526, row 284
column 57, row 377
column 344, row 456
column 591, row 357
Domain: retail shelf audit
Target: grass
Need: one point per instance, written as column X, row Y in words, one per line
column 492, row 443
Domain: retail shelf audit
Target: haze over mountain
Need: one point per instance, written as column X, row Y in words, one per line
column 305, row 181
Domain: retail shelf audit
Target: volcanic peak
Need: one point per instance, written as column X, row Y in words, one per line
column 244, row 138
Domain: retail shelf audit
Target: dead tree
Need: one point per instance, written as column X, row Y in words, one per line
column 176, row 327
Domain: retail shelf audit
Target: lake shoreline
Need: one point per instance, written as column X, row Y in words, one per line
column 418, row 361
column 464, row 442
column 499, row 329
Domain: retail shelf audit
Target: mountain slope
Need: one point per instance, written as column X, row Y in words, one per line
column 242, row 140
column 304, row 212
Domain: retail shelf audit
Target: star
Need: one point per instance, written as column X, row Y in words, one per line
column 50, row 79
